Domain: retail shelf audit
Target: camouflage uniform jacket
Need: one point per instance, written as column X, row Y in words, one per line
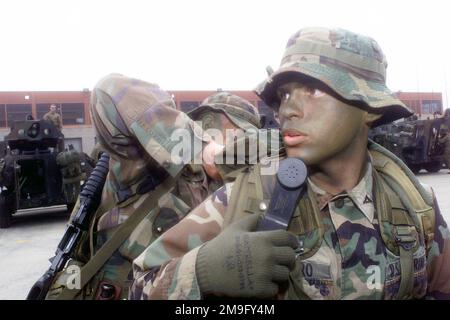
column 171, row 209
column 149, row 120
column 341, row 268
column 194, row 185
column 54, row 118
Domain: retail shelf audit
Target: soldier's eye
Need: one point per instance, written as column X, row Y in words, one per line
column 285, row 96
column 316, row 93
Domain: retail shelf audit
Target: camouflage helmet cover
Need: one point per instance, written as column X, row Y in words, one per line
column 352, row 65
column 238, row 110
column 117, row 102
column 135, row 119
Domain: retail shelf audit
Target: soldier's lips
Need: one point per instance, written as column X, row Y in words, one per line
column 293, row 138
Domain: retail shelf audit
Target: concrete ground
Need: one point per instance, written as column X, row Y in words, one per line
column 440, row 182
column 25, row 248
column 32, row 238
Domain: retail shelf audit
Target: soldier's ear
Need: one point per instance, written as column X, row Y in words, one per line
column 370, row 118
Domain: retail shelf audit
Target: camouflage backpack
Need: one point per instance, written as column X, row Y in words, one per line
column 70, row 164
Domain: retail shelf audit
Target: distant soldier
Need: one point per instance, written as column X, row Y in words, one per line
column 224, row 112
column 54, row 117
column 69, row 162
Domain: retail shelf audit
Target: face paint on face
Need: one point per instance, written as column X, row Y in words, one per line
column 219, row 121
column 315, row 125
column 229, row 130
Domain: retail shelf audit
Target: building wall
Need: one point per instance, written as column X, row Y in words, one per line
column 424, row 104
column 75, row 104
column 86, row 134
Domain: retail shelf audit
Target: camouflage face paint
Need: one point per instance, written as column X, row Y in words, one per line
column 315, row 125
column 217, row 120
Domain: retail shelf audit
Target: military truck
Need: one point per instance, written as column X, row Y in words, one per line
column 30, row 176
column 419, row 143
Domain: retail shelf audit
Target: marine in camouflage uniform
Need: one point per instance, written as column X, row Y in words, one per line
column 340, row 244
column 54, row 117
column 134, row 121
column 123, row 130
column 69, row 163
column 222, row 112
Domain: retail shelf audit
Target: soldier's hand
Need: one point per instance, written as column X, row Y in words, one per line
column 242, row 263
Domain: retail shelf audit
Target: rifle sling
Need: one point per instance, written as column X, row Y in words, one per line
column 118, row 237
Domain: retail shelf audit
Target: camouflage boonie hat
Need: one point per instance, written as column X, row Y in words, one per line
column 352, row 65
column 240, row 112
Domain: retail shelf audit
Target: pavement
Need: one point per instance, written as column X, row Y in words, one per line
column 440, row 182
column 25, row 248
column 33, row 236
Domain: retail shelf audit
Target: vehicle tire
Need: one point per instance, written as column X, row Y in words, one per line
column 5, row 214
column 433, row 166
column 415, row 168
column 70, row 207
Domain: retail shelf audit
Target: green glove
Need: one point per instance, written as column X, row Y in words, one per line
column 241, row 263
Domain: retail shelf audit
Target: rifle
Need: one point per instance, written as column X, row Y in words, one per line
column 90, row 198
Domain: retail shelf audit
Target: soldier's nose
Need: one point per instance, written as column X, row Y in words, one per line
column 290, row 109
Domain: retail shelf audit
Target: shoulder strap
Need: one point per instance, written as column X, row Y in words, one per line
column 397, row 231
column 118, row 237
column 391, row 165
column 405, row 206
column 404, row 183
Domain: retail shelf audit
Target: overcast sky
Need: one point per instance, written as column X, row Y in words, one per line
column 205, row 45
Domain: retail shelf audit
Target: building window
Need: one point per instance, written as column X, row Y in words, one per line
column 431, row 106
column 2, row 115
column 72, row 113
column 187, row 106
column 17, row 112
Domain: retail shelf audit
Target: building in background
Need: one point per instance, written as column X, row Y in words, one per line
column 72, row 105
column 77, row 125
column 424, row 104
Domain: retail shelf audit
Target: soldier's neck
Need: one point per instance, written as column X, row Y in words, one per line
column 344, row 170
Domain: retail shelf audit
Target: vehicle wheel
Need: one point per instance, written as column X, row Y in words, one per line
column 433, row 166
column 5, row 215
column 415, row 168
column 70, row 207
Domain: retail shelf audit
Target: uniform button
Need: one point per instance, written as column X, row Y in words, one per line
column 339, row 203
column 166, row 164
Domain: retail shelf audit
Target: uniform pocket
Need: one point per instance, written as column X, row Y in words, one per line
column 393, row 274
column 315, row 277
